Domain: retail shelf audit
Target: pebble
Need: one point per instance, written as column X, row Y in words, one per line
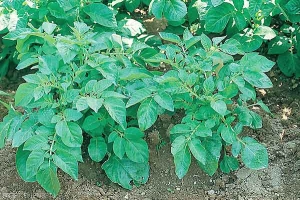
column 178, row 189
column 101, row 191
column 143, row 193
column 211, row 192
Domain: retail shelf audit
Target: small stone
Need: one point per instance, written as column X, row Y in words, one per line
column 143, row 193
column 195, row 182
column 211, row 192
column 178, row 189
column 126, row 196
column 101, row 191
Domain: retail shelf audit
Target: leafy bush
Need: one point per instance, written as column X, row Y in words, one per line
column 91, row 80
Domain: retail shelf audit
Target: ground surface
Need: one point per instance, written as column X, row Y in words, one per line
column 281, row 180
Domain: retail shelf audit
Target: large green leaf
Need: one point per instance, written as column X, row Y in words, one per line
column 119, row 147
column 66, row 162
column 147, row 114
column 174, row 10
column 279, row 45
column 131, row 5
column 123, row 171
column 182, row 160
column 219, row 106
column 21, row 160
column 197, row 150
column 101, row 14
column 229, row 164
column 218, row 17
column 254, row 7
column 254, row 154
column 138, row 96
column 289, row 64
column 34, row 161
column 97, row 149
column 256, row 62
column 24, row 94
column 164, row 100
column 70, row 133
column 137, row 150
column 47, row 178
column 117, row 110
column 258, row 79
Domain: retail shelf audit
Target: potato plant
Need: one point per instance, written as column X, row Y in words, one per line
column 91, row 79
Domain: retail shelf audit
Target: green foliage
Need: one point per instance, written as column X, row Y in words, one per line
column 96, row 77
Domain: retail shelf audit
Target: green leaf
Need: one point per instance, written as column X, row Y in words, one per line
column 34, row 161
column 21, row 160
column 133, row 133
column 228, row 135
column 289, row 64
column 20, row 33
column 232, row 47
column 48, row 27
column 27, row 62
column 94, row 103
column 36, row 142
column 164, row 100
column 133, row 73
column 24, row 94
column 21, row 136
column 265, row 32
column 219, row 106
column 256, row 120
column 178, row 144
column 97, row 149
column 174, row 10
column 66, row 162
column 254, row 7
column 206, row 42
column 293, row 7
column 81, row 104
column 182, row 160
column 264, row 106
column 197, row 150
column 101, row 14
column 48, row 179
column 279, row 45
column 67, row 51
column 209, row 85
column 257, row 79
column 218, row 17
column 216, row 2
column 238, row 4
column 131, row 5
column 72, row 115
column 123, row 171
column 256, row 62
column 119, row 147
column 70, row 133
column 137, row 150
column 229, row 164
column 254, row 155
column 249, row 43
column 138, row 96
column 147, row 114
column 170, row 37
column 156, row 7
column 117, row 110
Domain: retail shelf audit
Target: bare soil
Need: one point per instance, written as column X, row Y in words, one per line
column 281, row 180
